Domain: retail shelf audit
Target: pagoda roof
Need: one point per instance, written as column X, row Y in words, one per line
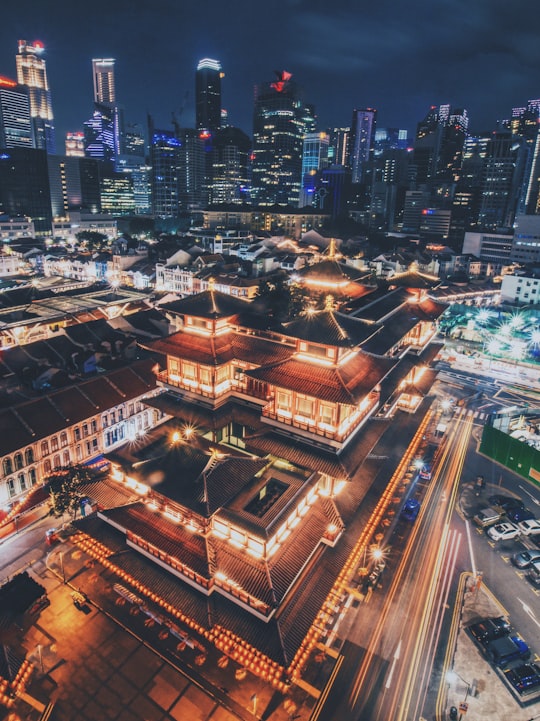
column 413, row 278
column 191, row 473
column 347, row 383
column 215, row 350
column 208, row 304
column 331, row 328
column 330, row 269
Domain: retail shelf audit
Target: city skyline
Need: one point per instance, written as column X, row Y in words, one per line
column 397, row 60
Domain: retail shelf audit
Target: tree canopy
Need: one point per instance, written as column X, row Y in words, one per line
column 65, row 489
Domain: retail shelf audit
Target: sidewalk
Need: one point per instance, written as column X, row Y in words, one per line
column 493, row 700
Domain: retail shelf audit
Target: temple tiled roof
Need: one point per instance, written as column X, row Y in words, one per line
column 196, row 415
column 381, row 305
column 207, row 304
column 414, row 279
column 171, row 538
column 348, row 383
column 331, row 328
column 331, row 270
column 217, row 350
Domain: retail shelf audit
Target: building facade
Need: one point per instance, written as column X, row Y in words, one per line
column 32, row 73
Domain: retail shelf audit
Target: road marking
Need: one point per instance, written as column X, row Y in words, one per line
column 469, row 543
column 505, row 558
column 395, row 659
column 528, row 610
column 533, row 498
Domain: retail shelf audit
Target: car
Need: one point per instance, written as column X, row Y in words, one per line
column 525, row 558
column 487, row 517
column 530, row 527
column 489, row 629
column 410, row 510
column 505, row 503
column 503, row 532
column 516, row 515
column 502, row 651
column 534, row 573
column 524, row 678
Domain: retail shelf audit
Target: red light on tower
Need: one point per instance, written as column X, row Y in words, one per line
column 39, row 45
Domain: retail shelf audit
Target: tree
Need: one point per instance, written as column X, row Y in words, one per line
column 283, row 300
column 92, row 239
column 65, row 489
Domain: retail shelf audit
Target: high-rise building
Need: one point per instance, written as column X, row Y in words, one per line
column 503, row 174
column 165, row 149
column 314, row 160
column 338, row 148
column 16, row 128
column 279, row 126
column 24, row 186
column 193, row 165
column 32, row 72
column 75, row 144
column 208, row 95
column 104, row 130
column 361, row 141
column 230, row 162
column 104, row 87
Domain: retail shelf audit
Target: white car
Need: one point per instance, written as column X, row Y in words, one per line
column 503, row 532
column 529, row 528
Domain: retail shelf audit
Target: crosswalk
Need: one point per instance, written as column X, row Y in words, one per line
column 479, row 416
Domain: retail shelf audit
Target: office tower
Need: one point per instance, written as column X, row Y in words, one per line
column 101, row 134
column 279, row 126
column 24, row 186
column 32, row 73
column 525, row 125
column 208, row 95
column 230, row 162
column 165, row 149
column 104, row 130
column 314, row 160
column 16, row 128
column 116, row 193
column 390, row 139
column 361, row 141
column 103, row 73
column 64, row 184
column 75, row 144
column 338, row 148
column 502, row 179
column 194, row 162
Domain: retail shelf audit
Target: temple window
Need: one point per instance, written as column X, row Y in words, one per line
column 189, row 371
column 205, row 376
column 304, row 406
column 283, row 401
column 326, row 413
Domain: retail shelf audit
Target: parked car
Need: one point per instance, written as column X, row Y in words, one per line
column 487, row 517
column 516, row 515
column 503, row 532
column 531, row 527
column 410, row 510
column 523, row 559
column 502, row 651
column 525, row 678
column 505, row 503
column 534, row 573
column 489, row 629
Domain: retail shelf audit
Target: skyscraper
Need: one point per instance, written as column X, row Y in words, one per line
column 314, row 160
column 230, row 158
column 279, row 125
column 362, row 141
column 208, row 95
column 32, row 73
column 104, row 130
column 104, row 88
column 16, row 128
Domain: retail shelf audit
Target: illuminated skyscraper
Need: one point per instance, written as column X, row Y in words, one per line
column 208, row 95
column 16, row 128
column 103, row 72
column 362, row 141
column 280, row 121
column 32, row 73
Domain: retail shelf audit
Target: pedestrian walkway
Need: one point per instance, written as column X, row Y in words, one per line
column 474, row 682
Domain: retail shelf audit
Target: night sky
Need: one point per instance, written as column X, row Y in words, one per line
column 395, row 55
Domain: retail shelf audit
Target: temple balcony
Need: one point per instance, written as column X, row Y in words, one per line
column 335, row 436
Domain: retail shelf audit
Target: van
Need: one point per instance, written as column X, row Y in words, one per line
column 503, row 651
column 487, row 517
